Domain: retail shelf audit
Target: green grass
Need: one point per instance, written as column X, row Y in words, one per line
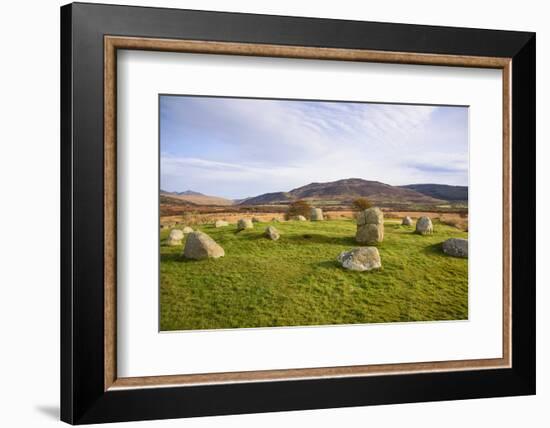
column 296, row 280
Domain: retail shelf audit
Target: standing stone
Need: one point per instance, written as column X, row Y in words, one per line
column 424, row 226
column 221, row 223
column 272, row 233
column 370, row 234
column 456, row 247
column 370, row 216
column 244, row 223
column 316, row 214
column 187, row 229
column 370, row 226
column 360, row 259
column 407, row 221
column 200, row 246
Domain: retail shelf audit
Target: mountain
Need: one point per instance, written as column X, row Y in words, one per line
column 267, row 198
column 184, row 193
column 441, row 191
column 196, row 198
column 190, row 193
column 168, row 198
column 344, row 191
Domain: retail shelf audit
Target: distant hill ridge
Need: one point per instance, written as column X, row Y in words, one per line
column 441, row 191
column 346, row 190
column 184, row 193
column 195, row 198
column 342, row 191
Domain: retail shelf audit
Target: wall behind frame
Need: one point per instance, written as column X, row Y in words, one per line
column 29, row 173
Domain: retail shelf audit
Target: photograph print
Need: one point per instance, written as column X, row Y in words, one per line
column 295, row 213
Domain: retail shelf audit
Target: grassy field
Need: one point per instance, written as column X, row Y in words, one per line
column 296, row 280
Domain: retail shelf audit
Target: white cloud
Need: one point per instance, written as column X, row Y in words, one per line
column 240, row 147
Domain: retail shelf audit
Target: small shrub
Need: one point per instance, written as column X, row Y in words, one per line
column 361, row 204
column 297, row 208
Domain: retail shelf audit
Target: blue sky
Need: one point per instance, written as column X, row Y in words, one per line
column 235, row 148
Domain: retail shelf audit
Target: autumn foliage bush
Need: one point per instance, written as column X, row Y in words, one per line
column 361, row 204
column 297, row 208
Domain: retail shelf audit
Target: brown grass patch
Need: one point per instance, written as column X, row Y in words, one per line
column 190, row 218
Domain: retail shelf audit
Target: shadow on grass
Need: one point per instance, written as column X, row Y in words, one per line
column 314, row 238
column 434, row 249
column 401, row 228
column 328, row 264
column 175, row 257
column 257, row 236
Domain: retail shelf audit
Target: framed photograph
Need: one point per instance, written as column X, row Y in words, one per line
column 266, row 213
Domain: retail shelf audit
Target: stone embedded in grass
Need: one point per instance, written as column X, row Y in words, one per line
column 360, row 259
column 187, row 230
column 456, row 247
column 176, row 234
column 316, row 214
column 424, row 226
column 200, row 246
column 221, row 223
column 370, row 226
column 244, row 223
column 407, row 221
column 272, row 233
column 175, row 237
column 300, row 218
column 255, row 220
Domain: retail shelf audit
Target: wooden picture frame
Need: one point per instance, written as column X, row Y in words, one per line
column 91, row 390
